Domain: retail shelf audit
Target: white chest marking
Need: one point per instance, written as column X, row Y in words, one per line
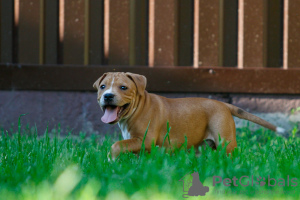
column 125, row 133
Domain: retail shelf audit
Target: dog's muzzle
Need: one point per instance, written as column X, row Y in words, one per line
column 109, row 97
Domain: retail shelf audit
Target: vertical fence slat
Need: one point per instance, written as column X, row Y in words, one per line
column 274, row 33
column 74, row 32
column 185, row 33
column 209, row 44
column 260, row 37
column 229, row 33
column 164, row 33
column 292, row 36
column 29, row 31
column 254, row 33
column 118, row 32
column 51, row 32
column 96, row 32
column 138, row 32
column 7, row 26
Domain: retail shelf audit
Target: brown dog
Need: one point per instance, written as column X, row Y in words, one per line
column 124, row 100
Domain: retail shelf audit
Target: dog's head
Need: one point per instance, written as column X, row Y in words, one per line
column 117, row 92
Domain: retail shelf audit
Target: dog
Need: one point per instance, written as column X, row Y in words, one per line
column 124, row 100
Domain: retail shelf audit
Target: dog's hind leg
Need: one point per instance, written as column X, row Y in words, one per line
column 224, row 126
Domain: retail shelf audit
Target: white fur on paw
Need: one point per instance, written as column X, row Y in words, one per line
column 109, row 156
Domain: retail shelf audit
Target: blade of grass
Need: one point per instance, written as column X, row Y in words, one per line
column 19, row 132
column 143, row 142
column 167, row 134
column 185, row 143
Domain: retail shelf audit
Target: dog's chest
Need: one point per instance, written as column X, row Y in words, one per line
column 125, row 133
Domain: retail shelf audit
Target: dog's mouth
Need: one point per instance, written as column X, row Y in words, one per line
column 112, row 113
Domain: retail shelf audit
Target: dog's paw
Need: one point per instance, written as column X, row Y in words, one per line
column 110, row 158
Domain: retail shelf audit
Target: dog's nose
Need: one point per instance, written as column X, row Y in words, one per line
column 108, row 97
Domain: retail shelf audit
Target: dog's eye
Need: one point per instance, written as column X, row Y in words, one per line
column 123, row 88
column 102, row 86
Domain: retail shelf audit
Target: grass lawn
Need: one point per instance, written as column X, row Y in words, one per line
column 76, row 167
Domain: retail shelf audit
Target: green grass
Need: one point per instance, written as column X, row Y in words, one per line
column 76, row 167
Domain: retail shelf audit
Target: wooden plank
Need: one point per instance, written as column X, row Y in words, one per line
column 254, row 33
column 162, row 79
column 185, row 32
column 118, row 32
column 228, row 35
column 260, row 36
column 291, row 32
column 29, row 31
column 7, row 31
column 274, row 33
column 163, row 34
column 51, row 32
column 95, row 49
column 208, row 33
column 74, row 32
column 138, row 46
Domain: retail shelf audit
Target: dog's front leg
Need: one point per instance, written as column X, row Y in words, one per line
column 132, row 145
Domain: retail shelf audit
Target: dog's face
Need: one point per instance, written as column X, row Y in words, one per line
column 117, row 93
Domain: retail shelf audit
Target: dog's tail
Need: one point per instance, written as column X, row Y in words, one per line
column 240, row 113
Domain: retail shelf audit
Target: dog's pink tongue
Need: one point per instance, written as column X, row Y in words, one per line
column 110, row 115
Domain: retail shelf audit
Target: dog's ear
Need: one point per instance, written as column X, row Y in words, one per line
column 96, row 84
column 139, row 80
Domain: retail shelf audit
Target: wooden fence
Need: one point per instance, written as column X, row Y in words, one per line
column 239, row 46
